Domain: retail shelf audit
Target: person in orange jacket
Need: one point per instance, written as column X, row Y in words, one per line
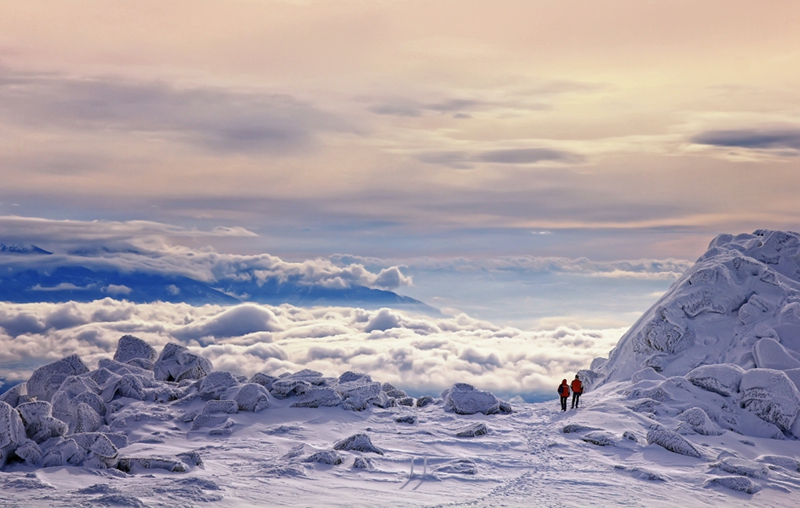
column 563, row 392
column 577, row 390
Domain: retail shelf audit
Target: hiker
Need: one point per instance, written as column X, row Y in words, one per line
column 563, row 391
column 577, row 390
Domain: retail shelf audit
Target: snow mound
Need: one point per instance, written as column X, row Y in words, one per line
column 46, row 380
column 465, row 399
column 252, row 397
column 458, row 466
column 359, row 443
column 218, row 385
column 770, row 354
column 130, row 348
column 672, row 441
column 697, row 421
column 599, row 438
column 325, row 457
column 363, row 463
column 742, row 467
column 132, row 464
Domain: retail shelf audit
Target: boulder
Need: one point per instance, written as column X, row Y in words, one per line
column 358, row 395
column 325, row 457
column 599, row 438
column 738, row 483
column 359, row 443
column 39, row 423
column 98, row 447
column 742, row 467
column 30, row 453
column 16, row 395
column 46, row 380
column 319, row 397
column 72, row 387
column 176, row 363
column 697, row 421
column 64, row 453
column 12, row 432
column 723, row 378
column 130, row 348
column 458, row 466
column 86, row 419
column 672, row 441
column 474, row 430
column 262, row 379
column 284, row 388
column 465, row 399
column 363, row 463
column 218, row 385
column 351, row 376
column 253, row 397
column 220, row 407
column 770, row 395
column 132, row 464
column 425, row 400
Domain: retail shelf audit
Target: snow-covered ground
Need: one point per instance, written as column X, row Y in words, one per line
column 525, row 459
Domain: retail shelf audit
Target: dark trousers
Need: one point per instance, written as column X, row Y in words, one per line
column 564, row 403
column 575, row 397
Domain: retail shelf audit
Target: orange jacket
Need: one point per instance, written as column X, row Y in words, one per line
column 577, row 387
column 563, row 390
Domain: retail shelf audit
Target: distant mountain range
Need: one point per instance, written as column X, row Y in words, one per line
column 82, row 284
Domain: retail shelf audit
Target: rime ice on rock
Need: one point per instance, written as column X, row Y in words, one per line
column 672, row 441
column 325, row 457
column 599, row 438
column 39, row 422
column 723, row 378
column 425, row 400
column 474, row 430
column 176, row 363
column 262, row 379
column 12, row 432
column 220, row 407
column 130, row 347
column 770, row 395
column 319, row 397
column 458, row 466
column 16, row 395
column 738, row 483
column 359, row 443
column 769, row 354
column 465, row 399
column 217, row 385
column 252, row 397
column 48, row 378
column 697, row 421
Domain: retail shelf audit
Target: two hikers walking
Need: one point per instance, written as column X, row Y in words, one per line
column 564, row 391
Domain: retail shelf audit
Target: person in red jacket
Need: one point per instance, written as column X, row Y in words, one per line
column 563, row 392
column 577, row 390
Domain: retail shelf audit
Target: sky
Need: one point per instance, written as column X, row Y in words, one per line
column 533, row 163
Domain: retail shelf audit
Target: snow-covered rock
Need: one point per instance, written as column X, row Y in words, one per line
column 130, row 348
column 769, row 354
column 465, row 399
column 721, row 378
column 132, row 464
column 100, row 449
column 220, row 407
column 46, row 380
column 253, row 397
column 357, row 395
column 425, row 400
column 39, row 422
column 771, row 396
column 672, row 441
column 474, row 430
column 263, row 379
column 217, row 385
column 599, row 438
column 363, row 463
column 359, row 443
column 742, row 467
column 738, row 483
column 176, row 363
column 458, row 466
column 12, row 432
column 319, row 397
column 30, row 453
column 329, row 457
column 697, row 421
column 16, row 395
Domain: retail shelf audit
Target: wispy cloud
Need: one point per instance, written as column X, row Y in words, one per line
column 758, row 139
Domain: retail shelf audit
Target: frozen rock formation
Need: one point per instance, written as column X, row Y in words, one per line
column 465, row 399
column 673, row 442
column 130, row 348
column 176, row 363
column 12, row 432
column 48, row 378
column 359, row 443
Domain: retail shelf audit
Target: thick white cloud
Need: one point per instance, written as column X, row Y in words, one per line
column 417, row 353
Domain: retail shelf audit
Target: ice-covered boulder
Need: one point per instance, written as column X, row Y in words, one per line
column 357, row 395
column 263, row 379
column 46, row 380
column 359, row 443
column 218, row 385
column 319, row 397
column 465, row 399
column 129, row 385
column 30, row 453
column 65, row 452
column 672, row 441
column 723, row 378
column 696, row 420
column 329, row 457
column 176, row 363
column 425, row 400
column 283, row 388
column 86, row 419
column 363, row 463
column 351, row 376
column 82, row 388
column 770, row 395
column 458, row 466
column 39, row 422
column 738, row 483
column 742, row 467
column 130, row 347
column 253, row 397
column 16, row 395
column 133, row 464
column 101, row 451
column 646, row 374
column 220, row 407
column 12, row 432
column 599, row 438
column 769, row 354
column 474, row 430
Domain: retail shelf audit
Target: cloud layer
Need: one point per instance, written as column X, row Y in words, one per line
column 417, row 353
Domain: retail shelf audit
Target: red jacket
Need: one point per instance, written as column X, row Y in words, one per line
column 563, row 389
column 577, row 387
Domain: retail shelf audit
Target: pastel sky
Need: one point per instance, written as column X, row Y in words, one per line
column 609, row 130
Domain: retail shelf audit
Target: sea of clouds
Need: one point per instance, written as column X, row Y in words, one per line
column 418, row 353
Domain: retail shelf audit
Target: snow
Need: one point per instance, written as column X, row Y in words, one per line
column 465, row 399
